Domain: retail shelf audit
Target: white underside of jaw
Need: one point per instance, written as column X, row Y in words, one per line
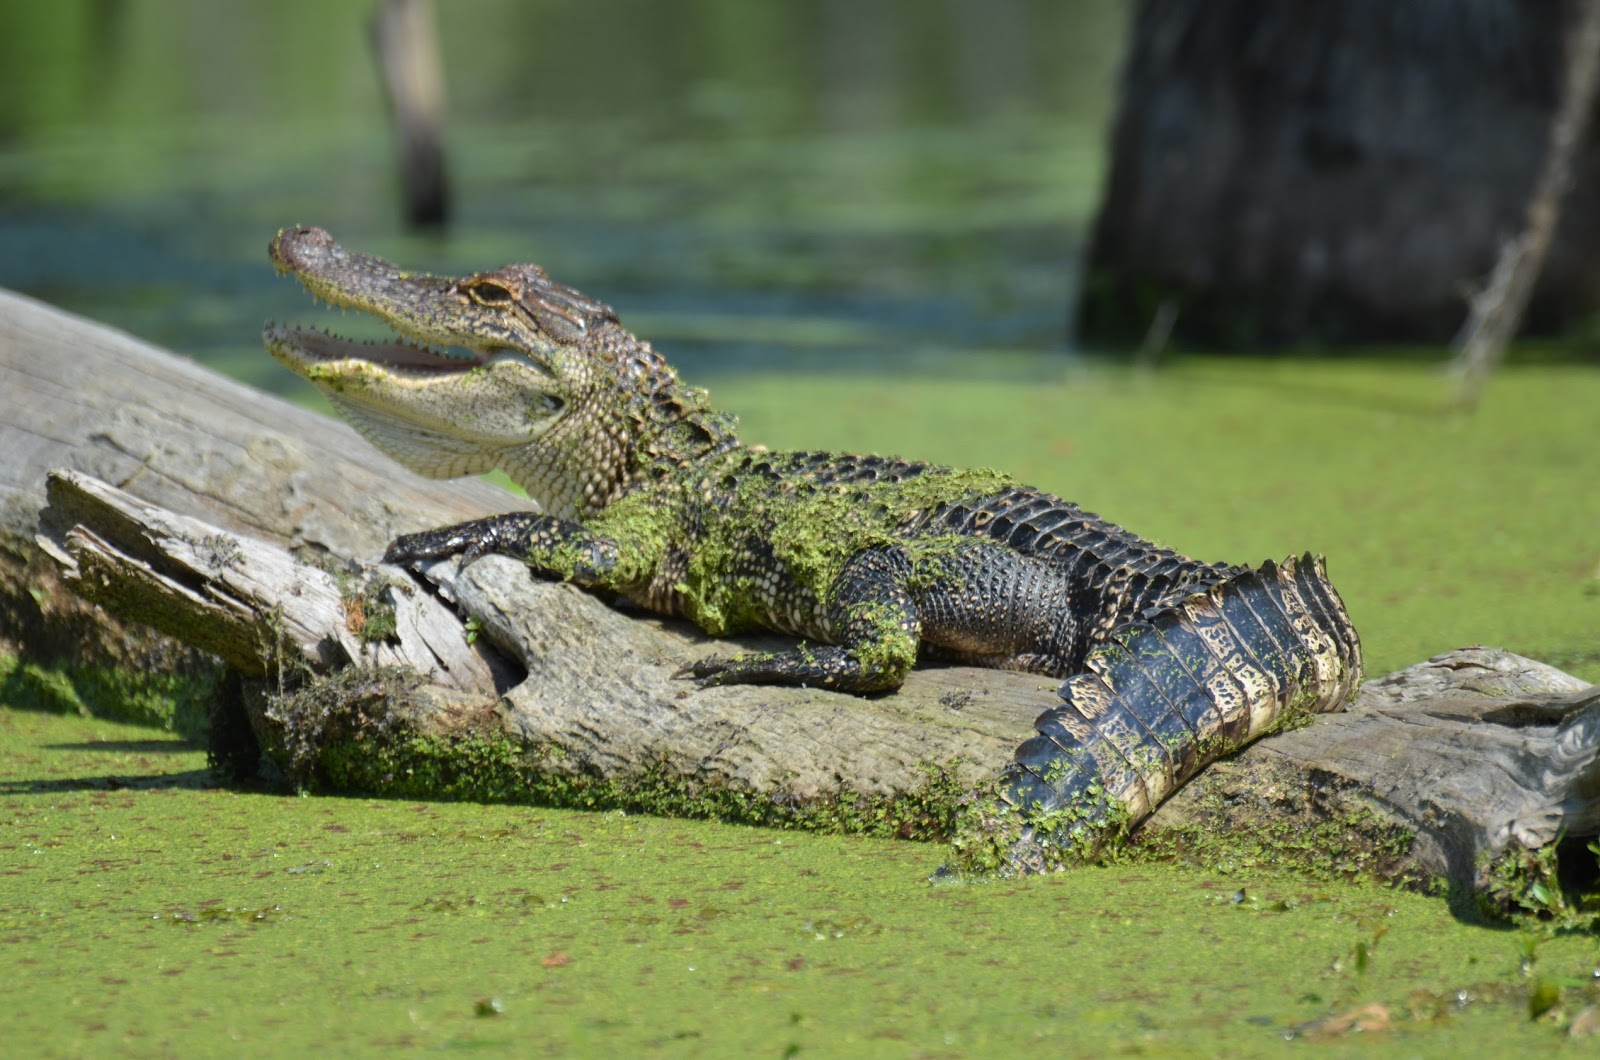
column 432, row 454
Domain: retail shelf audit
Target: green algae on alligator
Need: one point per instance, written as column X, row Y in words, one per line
column 648, row 492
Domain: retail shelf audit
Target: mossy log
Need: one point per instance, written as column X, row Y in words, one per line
column 239, row 523
column 1450, row 769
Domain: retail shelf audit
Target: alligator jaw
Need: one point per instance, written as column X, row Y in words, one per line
column 500, row 369
column 417, row 306
column 314, row 353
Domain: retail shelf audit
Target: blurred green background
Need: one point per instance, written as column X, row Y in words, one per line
column 786, row 182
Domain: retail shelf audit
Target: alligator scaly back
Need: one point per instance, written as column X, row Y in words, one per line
column 1167, row 695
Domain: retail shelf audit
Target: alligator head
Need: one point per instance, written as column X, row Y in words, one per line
column 498, row 370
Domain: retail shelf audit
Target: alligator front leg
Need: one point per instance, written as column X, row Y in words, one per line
column 552, row 546
column 875, row 620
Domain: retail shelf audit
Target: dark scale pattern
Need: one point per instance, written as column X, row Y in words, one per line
column 1169, row 662
column 1086, row 547
column 1164, row 697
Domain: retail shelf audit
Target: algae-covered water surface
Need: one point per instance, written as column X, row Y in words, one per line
column 833, row 222
column 143, row 912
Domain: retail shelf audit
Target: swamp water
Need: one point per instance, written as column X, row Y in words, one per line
column 857, row 224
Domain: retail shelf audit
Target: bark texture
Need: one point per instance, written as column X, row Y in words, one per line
column 1497, row 310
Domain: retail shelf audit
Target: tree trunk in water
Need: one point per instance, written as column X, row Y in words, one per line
column 1340, row 172
column 407, row 45
column 1497, row 309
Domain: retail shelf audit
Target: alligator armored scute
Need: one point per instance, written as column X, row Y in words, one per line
column 647, row 492
column 1177, row 689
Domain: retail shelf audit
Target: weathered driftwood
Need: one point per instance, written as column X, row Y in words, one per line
column 1475, row 753
column 245, row 599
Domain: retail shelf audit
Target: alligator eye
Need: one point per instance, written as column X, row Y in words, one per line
column 490, row 294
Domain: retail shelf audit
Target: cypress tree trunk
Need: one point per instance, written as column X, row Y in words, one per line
column 1342, row 171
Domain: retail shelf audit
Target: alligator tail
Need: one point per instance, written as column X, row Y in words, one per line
column 1167, row 694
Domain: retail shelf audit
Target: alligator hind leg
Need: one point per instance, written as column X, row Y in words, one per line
column 977, row 601
column 992, row 606
column 875, row 620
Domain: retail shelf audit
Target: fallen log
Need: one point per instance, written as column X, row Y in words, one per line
column 1453, row 769
column 238, row 524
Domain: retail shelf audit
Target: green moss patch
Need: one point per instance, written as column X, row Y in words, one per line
column 347, row 733
column 177, row 702
column 1234, row 819
column 1557, row 885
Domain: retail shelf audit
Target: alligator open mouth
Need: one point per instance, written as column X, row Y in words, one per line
column 412, row 305
column 304, row 346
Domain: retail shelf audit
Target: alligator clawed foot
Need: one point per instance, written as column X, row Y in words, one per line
column 708, row 672
column 409, row 548
column 436, row 544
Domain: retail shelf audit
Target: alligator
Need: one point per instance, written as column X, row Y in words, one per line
column 646, row 492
